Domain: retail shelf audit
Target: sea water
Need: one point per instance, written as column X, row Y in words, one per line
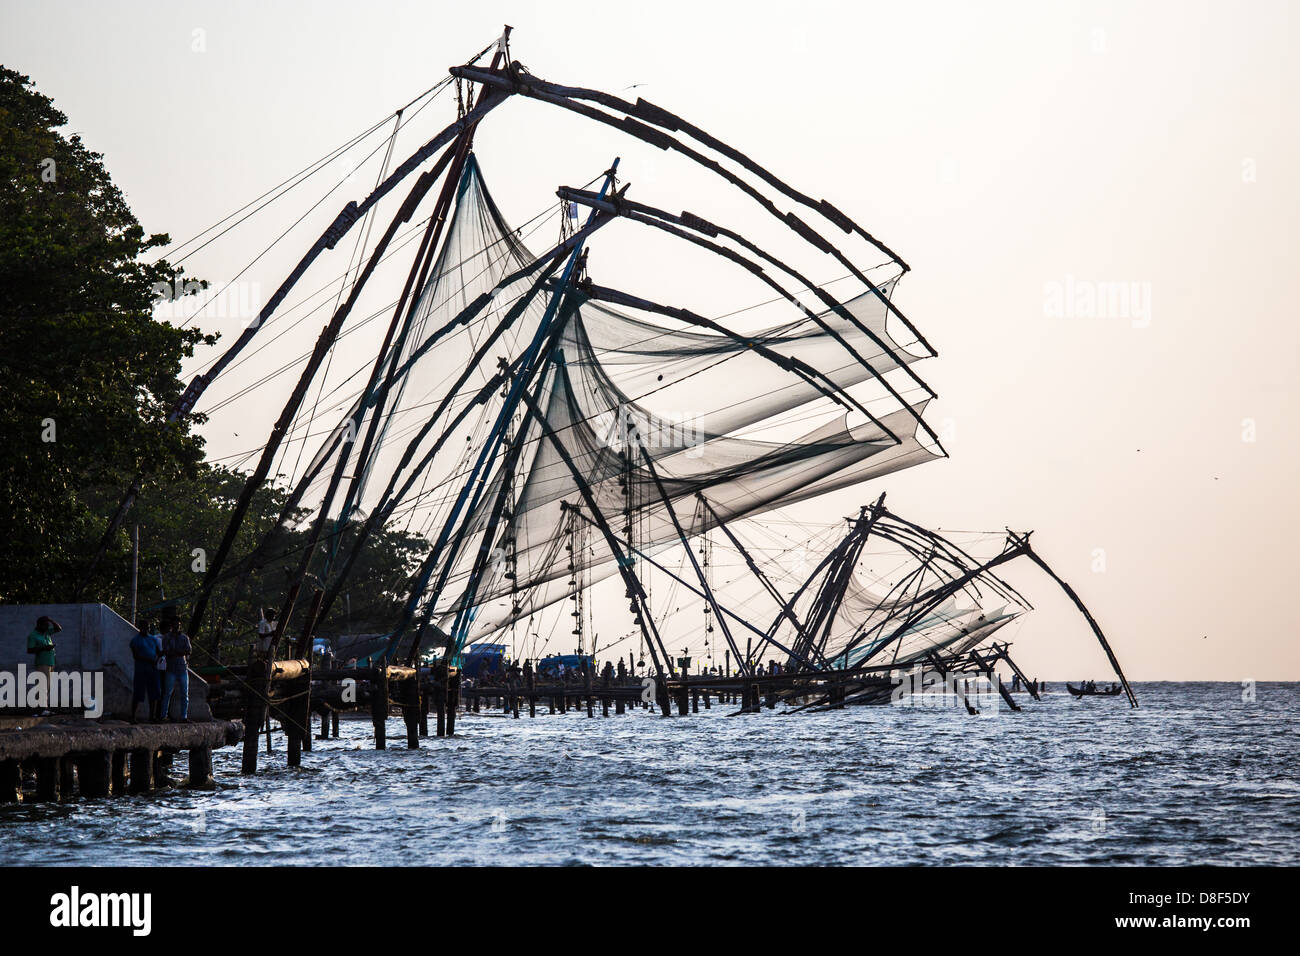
column 1202, row 773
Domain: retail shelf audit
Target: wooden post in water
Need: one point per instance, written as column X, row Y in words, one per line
column 293, row 730
column 440, row 698
column 303, row 710
column 94, row 771
column 422, row 686
column 334, row 723
column 68, row 775
column 142, row 771
column 254, row 710
column 47, row 779
column 411, row 710
column 259, row 688
column 586, row 685
column 292, row 738
column 200, row 768
column 11, row 781
column 453, row 698
column 379, row 705
column 162, row 761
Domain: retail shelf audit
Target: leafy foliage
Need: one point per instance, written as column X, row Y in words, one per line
column 87, row 377
column 86, row 374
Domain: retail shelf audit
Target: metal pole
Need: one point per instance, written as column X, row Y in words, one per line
column 135, row 569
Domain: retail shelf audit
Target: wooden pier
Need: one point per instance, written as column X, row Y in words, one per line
column 106, row 758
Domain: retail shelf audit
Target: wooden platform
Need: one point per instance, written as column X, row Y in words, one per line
column 94, row 758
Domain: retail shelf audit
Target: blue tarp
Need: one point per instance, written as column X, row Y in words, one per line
column 550, row 666
column 478, row 661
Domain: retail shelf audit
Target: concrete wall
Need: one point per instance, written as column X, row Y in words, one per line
column 94, row 638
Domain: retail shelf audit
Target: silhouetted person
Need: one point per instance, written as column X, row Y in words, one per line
column 176, row 646
column 146, row 652
column 40, row 642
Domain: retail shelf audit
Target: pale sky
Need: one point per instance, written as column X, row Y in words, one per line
column 1012, row 153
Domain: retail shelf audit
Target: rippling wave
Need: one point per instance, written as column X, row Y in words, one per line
column 1197, row 775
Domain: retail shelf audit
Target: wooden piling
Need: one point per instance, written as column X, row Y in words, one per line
column 422, row 688
column 94, row 772
column 254, row 708
column 453, row 698
column 295, row 717
column 303, row 713
column 68, row 775
column 379, row 706
column 440, row 699
column 11, row 781
column 162, row 765
column 200, row 768
column 663, row 697
column 411, row 711
column 47, row 779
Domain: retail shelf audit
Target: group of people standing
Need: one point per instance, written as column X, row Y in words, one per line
column 161, row 656
column 161, row 668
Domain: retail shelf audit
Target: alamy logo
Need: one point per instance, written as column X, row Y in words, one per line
column 1089, row 299
column 36, row 690
column 74, row 908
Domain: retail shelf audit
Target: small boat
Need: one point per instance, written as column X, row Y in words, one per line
column 1084, row 691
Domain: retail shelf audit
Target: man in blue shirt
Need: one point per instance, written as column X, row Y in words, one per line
column 146, row 650
column 177, row 648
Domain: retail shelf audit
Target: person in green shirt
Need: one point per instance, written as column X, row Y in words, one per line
column 40, row 642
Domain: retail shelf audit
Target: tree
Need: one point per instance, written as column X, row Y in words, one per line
column 87, row 377
column 180, row 530
column 86, row 373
